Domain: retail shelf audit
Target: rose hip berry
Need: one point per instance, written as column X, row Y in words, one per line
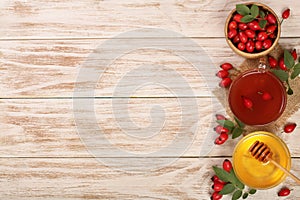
column 271, row 18
column 236, row 39
column 241, row 46
column 250, row 46
column 221, row 139
column 262, row 36
column 232, row 25
column 267, row 43
column 222, row 73
column 286, row 13
column 237, row 17
column 247, row 102
column 272, row 62
column 220, row 129
column 226, row 66
column 266, row 96
column 289, row 127
column 243, row 37
column 258, row 45
column 227, row 165
column 232, row 33
column 294, row 54
column 281, row 64
column 284, row 192
column 254, row 25
column 271, row 29
column 250, row 33
column 217, row 186
column 216, row 196
column 220, row 117
column 242, row 26
column 215, row 178
column 225, row 82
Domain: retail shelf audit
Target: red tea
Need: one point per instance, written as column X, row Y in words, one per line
column 252, row 85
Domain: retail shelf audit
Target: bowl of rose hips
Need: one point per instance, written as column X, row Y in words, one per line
column 252, row 30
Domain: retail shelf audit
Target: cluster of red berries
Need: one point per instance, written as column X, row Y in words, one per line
column 273, row 63
column 222, row 131
column 218, row 184
column 224, row 75
column 250, row 37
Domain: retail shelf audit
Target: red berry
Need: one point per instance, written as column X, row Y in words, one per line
column 242, row 26
column 266, row 96
column 241, row 46
column 232, row 25
column 237, row 17
column 216, row 196
column 250, row 33
column 290, row 127
column 243, row 37
column 217, row 186
column 215, row 178
column 232, row 33
column 282, row 65
column 286, row 13
column 254, row 25
column 272, row 36
column 226, row 66
column 271, row 18
column 272, row 62
column 222, row 73
column 236, row 39
column 225, row 82
column 284, row 192
column 271, row 29
column 220, row 129
column 262, row 36
column 227, row 166
column 220, row 117
column 247, row 102
column 250, row 46
column 221, row 139
column 267, row 43
column 258, row 45
column 294, row 54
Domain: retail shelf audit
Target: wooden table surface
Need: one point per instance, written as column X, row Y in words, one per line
column 122, row 138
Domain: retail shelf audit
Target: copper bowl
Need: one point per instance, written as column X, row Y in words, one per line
column 252, row 55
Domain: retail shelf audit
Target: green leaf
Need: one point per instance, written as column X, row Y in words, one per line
column 296, row 71
column 245, row 195
column 262, row 14
column 236, row 181
column 227, row 189
column 288, row 59
column 237, row 131
column 237, row 194
column 252, row 191
column 254, row 10
column 222, row 174
column 239, row 123
column 262, row 23
column 247, row 18
column 282, row 75
column 226, row 123
column 242, row 9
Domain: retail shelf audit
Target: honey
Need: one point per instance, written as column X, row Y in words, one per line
column 254, row 173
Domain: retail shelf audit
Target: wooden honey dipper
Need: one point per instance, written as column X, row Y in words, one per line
column 263, row 153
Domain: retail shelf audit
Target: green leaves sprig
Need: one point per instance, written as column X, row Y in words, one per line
column 252, row 13
column 235, row 129
column 292, row 72
column 233, row 185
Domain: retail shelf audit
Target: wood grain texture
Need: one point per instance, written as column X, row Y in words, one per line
column 104, row 19
column 47, row 128
column 50, row 68
column 187, row 178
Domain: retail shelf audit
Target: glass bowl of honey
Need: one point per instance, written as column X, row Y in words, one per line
column 254, row 173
